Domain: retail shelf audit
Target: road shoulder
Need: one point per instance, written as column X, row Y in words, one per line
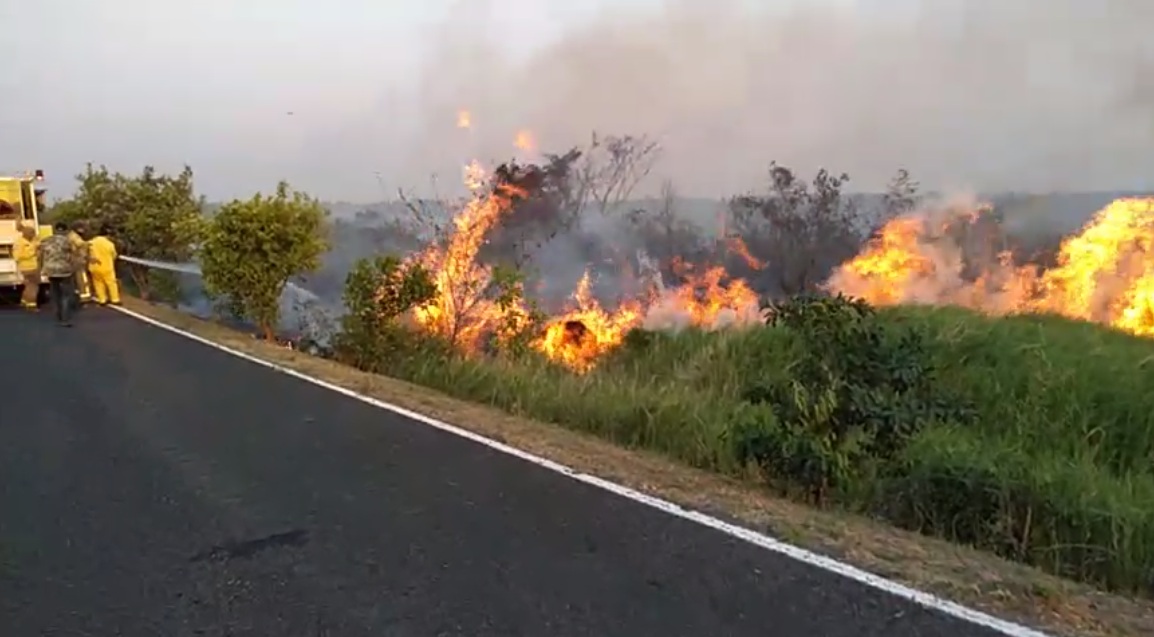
column 977, row 579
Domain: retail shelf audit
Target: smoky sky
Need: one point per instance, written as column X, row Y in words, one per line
column 1035, row 95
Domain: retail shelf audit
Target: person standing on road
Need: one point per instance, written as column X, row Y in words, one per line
column 59, row 261
column 28, row 262
column 83, row 284
column 102, row 269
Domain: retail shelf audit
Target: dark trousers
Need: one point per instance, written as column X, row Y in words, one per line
column 63, row 296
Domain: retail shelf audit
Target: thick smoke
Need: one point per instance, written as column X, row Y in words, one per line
column 977, row 96
column 990, row 95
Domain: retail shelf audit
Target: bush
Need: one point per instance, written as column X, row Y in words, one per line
column 377, row 293
column 252, row 248
column 850, row 405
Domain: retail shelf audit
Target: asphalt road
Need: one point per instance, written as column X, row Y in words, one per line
column 152, row 486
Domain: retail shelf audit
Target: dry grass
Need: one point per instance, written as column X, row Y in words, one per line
column 981, row 580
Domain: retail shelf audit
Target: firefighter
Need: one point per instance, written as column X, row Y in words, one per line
column 102, row 269
column 83, row 285
column 27, row 261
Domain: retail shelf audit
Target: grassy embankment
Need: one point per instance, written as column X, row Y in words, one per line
column 1030, row 436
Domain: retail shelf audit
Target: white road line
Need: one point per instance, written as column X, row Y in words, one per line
column 922, row 598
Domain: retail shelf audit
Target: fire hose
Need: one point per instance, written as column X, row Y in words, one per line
column 187, row 268
column 293, row 290
column 192, row 268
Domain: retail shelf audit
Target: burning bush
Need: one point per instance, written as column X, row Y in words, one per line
column 480, row 302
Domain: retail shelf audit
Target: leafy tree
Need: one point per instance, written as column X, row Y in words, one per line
column 252, row 248
column 151, row 216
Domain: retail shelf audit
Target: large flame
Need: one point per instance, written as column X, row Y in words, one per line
column 461, row 312
column 464, row 313
column 1104, row 274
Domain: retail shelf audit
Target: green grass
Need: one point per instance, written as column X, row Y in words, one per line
column 1054, row 467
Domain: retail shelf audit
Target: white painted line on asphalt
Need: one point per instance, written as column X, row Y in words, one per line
column 922, row 598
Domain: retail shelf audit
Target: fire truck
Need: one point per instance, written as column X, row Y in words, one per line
column 24, row 194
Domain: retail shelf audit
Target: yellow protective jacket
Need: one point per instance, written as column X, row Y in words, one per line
column 25, row 251
column 102, row 252
column 81, row 247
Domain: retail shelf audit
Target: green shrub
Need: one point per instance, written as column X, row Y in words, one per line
column 377, row 293
column 849, row 406
column 162, row 287
column 252, row 248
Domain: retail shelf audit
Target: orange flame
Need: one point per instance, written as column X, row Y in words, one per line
column 524, row 141
column 579, row 337
column 738, row 247
column 464, row 314
column 1103, row 274
column 708, row 302
column 461, row 313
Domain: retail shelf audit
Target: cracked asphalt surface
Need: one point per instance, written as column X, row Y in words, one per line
column 153, row 486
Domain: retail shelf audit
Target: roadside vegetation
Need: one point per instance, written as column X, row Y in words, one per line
column 152, row 215
column 250, row 249
column 820, row 344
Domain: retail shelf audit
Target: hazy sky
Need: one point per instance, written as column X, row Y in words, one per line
column 1034, row 94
